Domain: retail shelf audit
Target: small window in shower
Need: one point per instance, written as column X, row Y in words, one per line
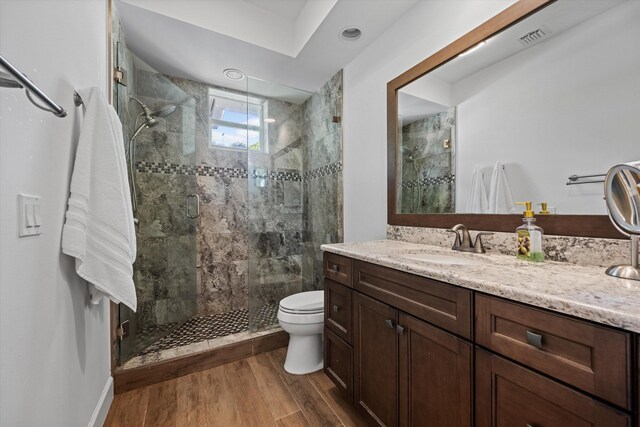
column 237, row 121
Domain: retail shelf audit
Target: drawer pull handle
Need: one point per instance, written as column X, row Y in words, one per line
column 336, row 308
column 399, row 329
column 530, row 425
column 389, row 323
column 534, row 339
column 335, row 268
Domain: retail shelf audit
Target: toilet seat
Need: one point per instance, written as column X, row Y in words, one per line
column 303, row 303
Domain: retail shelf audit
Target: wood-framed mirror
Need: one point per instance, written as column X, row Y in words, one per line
column 542, row 91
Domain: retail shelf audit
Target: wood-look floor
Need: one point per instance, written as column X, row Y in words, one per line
column 251, row 392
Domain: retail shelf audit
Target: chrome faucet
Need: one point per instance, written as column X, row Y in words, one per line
column 463, row 243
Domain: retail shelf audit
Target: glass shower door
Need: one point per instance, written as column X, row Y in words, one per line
column 159, row 123
column 275, row 209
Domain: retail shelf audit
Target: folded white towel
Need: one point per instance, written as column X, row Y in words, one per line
column 477, row 201
column 99, row 230
column 500, row 198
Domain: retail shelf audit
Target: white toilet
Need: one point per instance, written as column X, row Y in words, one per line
column 302, row 316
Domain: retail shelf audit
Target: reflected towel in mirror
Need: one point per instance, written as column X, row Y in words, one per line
column 477, row 201
column 500, row 197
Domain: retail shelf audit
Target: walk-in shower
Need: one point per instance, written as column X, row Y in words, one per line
column 235, row 190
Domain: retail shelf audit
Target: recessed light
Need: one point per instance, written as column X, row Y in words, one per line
column 269, row 120
column 350, row 34
column 233, row 74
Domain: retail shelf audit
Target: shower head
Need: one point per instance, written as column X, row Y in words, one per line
column 150, row 116
column 164, row 111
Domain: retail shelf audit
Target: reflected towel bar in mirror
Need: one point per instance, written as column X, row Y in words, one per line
column 576, row 179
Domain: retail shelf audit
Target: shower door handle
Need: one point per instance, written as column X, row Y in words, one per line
column 190, row 199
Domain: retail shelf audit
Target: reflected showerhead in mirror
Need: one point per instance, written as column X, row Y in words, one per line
column 621, row 191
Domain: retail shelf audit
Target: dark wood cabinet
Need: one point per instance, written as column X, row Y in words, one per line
column 592, row 358
column 438, row 303
column 435, row 376
column 408, row 372
column 338, row 357
column 511, row 395
column 376, row 360
column 411, row 351
column 338, row 309
column 337, row 268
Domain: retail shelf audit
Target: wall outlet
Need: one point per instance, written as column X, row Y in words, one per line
column 30, row 217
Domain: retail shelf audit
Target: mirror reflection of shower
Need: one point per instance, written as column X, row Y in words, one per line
column 150, row 121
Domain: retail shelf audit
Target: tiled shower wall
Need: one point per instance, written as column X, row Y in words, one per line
column 428, row 165
column 263, row 215
column 322, row 160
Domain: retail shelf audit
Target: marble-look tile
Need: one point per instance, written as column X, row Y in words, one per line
column 163, row 189
column 159, row 146
column 424, row 156
column 582, row 291
column 586, row 251
column 224, row 287
column 164, row 355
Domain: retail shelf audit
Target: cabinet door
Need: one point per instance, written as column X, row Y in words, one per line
column 435, row 376
column 376, row 360
column 338, row 363
column 510, row 395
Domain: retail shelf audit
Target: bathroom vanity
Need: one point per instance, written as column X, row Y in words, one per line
column 420, row 335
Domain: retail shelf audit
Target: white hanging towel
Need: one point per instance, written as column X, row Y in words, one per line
column 99, row 230
column 477, row 201
column 500, row 198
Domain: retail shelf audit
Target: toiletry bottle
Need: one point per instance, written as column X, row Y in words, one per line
column 544, row 209
column 529, row 237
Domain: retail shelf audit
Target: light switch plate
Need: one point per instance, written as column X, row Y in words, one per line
column 30, row 221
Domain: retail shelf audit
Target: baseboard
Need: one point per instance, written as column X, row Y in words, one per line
column 130, row 379
column 102, row 408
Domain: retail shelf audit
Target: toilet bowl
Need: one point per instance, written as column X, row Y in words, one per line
column 302, row 316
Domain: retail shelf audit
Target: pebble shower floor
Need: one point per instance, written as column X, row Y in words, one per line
column 213, row 326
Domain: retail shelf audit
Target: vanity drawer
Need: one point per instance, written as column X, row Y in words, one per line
column 338, row 309
column 511, row 395
column 338, row 363
column 440, row 304
column 338, row 268
column 593, row 358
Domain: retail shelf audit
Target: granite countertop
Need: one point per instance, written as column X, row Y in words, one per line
column 584, row 292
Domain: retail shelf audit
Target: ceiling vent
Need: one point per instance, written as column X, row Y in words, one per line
column 535, row 36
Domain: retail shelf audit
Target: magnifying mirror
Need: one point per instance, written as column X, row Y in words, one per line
column 623, row 204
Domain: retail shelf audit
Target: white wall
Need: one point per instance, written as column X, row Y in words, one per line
column 54, row 348
column 570, row 105
column 426, row 28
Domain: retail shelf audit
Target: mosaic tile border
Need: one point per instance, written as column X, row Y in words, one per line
column 281, row 176
column 204, row 170
column 426, row 182
column 200, row 170
column 322, row 171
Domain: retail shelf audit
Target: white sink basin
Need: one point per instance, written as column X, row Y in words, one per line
column 444, row 259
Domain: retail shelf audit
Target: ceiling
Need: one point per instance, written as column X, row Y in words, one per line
column 554, row 19
column 289, row 42
column 289, row 9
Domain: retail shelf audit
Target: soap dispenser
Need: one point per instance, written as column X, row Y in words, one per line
column 544, row 209
column 529, row 236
